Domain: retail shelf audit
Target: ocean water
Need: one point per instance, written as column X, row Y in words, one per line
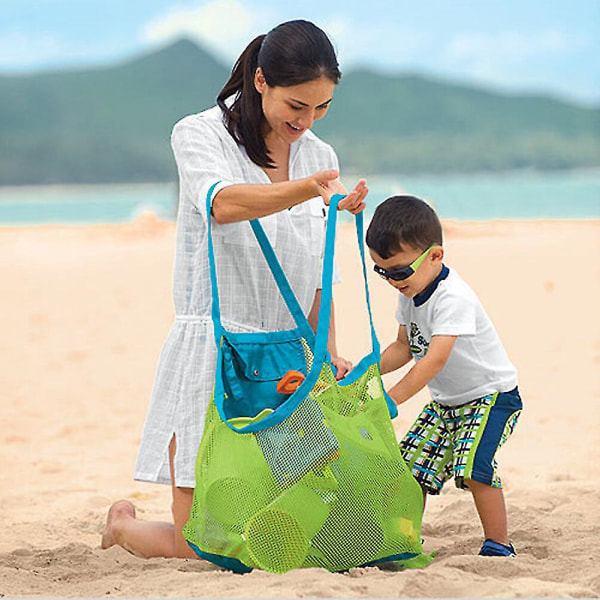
column 473, row 197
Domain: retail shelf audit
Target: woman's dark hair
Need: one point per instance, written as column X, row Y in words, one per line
column 402, row 221
column 292, row 53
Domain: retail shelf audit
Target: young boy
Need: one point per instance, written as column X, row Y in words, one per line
column 457, row 353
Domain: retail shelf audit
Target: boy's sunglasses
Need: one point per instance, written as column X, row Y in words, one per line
column 404, row 273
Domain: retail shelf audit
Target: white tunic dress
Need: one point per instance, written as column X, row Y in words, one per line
column 206, row 153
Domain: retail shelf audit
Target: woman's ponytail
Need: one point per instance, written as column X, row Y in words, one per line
column 243, row 115
column 290, row 54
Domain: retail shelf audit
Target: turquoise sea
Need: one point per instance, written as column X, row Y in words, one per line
column 472, row 197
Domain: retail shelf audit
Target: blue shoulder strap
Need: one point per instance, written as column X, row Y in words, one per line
column 320, row 352
column 361, row 246
column 327, row 280
column 215, row 307
column 280, row 279
column 326, row 294
column 284, row 286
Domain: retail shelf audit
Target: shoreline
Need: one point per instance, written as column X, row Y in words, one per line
column 592, row 170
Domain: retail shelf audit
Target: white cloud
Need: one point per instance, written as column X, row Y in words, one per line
column 360, row 45
column 337, row 28
column 509, row 58
column 224, row 26
column 508, row 45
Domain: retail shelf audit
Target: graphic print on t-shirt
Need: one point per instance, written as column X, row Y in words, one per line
column 418, row 344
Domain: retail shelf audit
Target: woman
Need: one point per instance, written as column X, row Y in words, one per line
column 257, row 142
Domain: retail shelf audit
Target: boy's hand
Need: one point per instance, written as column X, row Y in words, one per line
column 425, row 369
column 397, row 354
column 342, row 365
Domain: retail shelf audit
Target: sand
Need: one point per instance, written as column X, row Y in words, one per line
column 85, row 311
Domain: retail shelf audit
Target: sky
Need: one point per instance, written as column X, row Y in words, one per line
column 516, row 46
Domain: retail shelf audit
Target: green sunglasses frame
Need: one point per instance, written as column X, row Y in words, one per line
column 405, row 272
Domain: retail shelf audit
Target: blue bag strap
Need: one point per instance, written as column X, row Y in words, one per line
column 361, row 246
column 327, row 281
column 215, row 307
column 280, row 279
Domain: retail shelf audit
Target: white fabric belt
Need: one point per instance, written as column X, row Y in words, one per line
column 227, row 323
column 193, row 318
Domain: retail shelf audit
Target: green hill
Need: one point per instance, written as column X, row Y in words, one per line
column 103, row 125
column 112, row 124
column 412, row 123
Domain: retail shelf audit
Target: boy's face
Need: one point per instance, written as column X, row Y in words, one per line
column 424, row 274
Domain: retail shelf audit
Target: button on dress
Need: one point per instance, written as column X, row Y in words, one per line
column 206, row 153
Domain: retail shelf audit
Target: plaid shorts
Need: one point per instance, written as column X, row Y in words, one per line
column 460, row 441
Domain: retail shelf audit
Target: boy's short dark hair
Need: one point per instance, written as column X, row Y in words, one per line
column 403, row 221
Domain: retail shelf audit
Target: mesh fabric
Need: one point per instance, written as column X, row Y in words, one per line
column 327, row 487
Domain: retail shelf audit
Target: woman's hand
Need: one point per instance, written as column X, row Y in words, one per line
column 354, row 201
column 342, row 365
column 329, row 184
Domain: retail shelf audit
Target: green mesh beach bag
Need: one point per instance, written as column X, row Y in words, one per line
column 312, row 478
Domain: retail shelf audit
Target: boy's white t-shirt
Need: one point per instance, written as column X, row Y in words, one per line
column 478, row 364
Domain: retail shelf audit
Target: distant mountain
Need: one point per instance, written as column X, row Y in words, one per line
column 103, row 125
column 112, row 124
column 411, row 123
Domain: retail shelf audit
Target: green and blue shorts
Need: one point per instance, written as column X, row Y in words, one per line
column 460, row 441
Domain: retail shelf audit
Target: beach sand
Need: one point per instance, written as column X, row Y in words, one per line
column 85, row 311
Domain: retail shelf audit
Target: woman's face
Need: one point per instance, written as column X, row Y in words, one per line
column 290, row 111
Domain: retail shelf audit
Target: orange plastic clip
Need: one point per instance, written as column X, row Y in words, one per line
column 290, row 382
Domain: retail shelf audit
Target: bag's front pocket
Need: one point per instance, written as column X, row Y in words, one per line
column 251, row 371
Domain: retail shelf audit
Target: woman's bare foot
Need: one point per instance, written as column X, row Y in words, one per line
column 120, row 510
